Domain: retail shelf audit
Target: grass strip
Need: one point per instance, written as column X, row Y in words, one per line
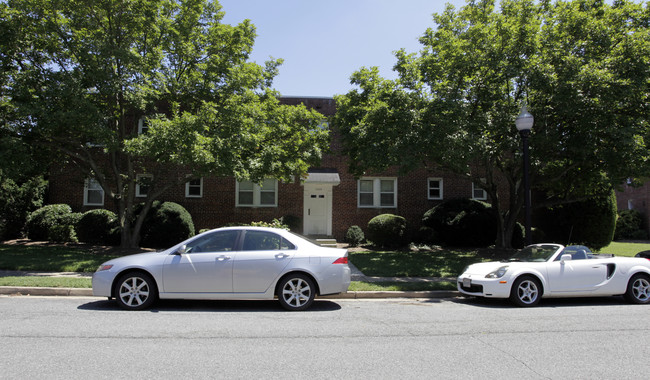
column 46, row 282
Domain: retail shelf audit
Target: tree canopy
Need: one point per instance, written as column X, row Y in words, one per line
column 582, row 67
column 77, row 76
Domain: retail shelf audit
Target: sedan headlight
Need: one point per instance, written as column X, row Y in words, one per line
column 104, row 267
column 497, row 273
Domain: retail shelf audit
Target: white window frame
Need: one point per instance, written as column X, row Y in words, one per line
column 138, row 190
column 91, row 184
column 188, row 185
column 142, row 126
column 257, row 194
column 439, row 188
column 476, row 188
column 376, row 192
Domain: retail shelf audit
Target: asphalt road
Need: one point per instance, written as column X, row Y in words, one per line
column 68, row 337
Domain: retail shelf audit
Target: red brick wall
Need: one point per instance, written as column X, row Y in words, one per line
column 217, row 207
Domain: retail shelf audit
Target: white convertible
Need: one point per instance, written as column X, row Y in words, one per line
column 552, row 270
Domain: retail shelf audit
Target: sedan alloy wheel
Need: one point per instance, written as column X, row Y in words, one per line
column 135, row 291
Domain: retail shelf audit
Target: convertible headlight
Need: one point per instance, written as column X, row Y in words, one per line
column 497, row 273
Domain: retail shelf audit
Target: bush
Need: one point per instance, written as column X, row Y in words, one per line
column 276, row 223
column 52, row 222
column 629, row 225
column 165, row 225
column 590, row 222
column 17, row 201
column 292, row 222
column 354, row 236
column 387, row 230
column 98, row 227
column 519, row 236
column 463, row 222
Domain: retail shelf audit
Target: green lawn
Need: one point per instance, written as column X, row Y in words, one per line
column 49, row 258
column 436, row 263
column 625, row 249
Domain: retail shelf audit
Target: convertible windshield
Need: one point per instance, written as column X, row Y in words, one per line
column 535, row 253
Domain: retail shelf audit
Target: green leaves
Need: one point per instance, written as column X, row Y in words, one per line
column 582, row 67
column 79, row 74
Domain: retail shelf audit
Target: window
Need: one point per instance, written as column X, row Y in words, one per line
column 143, row 126
column 250, row 194
column 222, row 241
column 143, row 184
column 377, row 192
column 435, row 188
column 265, row 241
column 93, row 193
column 477, row 191
column 194, row 188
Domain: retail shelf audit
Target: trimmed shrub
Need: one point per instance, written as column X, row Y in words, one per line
column 98, row 227
column 166, row 224
column 276, row 223
column 354, row 236
column 291, row 221
column 463, row 222
column 629, row 225
column 387, row 230
column 519, row 236
column 590, row 222
column 42, row 223
column 17, row 201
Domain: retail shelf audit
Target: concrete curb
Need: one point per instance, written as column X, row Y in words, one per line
column 86, row 292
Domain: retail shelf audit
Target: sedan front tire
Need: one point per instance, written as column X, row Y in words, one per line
column 136, row 291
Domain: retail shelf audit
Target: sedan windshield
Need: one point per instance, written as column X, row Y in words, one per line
column 535, row 253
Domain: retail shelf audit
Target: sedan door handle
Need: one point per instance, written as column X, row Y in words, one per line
column 281, row 256
column 223, row 258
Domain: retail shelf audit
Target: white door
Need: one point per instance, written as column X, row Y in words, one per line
column 317, row 213
column 205, row 267
column 576, row 275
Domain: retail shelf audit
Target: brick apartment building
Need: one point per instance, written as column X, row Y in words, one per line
column 326, row 203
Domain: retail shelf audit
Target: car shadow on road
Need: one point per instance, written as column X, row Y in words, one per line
column 161, row 306
column 502, row 303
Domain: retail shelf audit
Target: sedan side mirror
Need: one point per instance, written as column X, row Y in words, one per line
column 566, row 257
column 181, row 250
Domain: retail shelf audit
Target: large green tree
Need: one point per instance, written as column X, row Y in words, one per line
column 78, row 74
column 583, row 68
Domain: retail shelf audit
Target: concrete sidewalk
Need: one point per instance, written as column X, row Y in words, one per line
column 356, row 276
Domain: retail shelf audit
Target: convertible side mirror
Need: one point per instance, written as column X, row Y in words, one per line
column 566, row 257
column 181, row 250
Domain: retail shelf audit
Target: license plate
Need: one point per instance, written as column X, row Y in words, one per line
column 467, row 282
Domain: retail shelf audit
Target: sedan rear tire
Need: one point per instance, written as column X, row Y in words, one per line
column 638, row 289
column 136, row 291
column 526, row 291
column 296, row 292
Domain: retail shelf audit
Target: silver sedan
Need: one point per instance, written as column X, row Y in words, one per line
column 228, row 263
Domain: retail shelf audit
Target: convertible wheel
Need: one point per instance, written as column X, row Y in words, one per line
column 136, row 291
column 526, row 291
column 638, row 289
column 296, row 292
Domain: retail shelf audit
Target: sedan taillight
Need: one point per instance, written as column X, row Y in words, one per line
column 341, row 260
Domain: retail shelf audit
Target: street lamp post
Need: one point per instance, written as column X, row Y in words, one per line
column 524, row 124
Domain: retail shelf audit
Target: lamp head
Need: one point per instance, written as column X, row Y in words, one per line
column 525, row 120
